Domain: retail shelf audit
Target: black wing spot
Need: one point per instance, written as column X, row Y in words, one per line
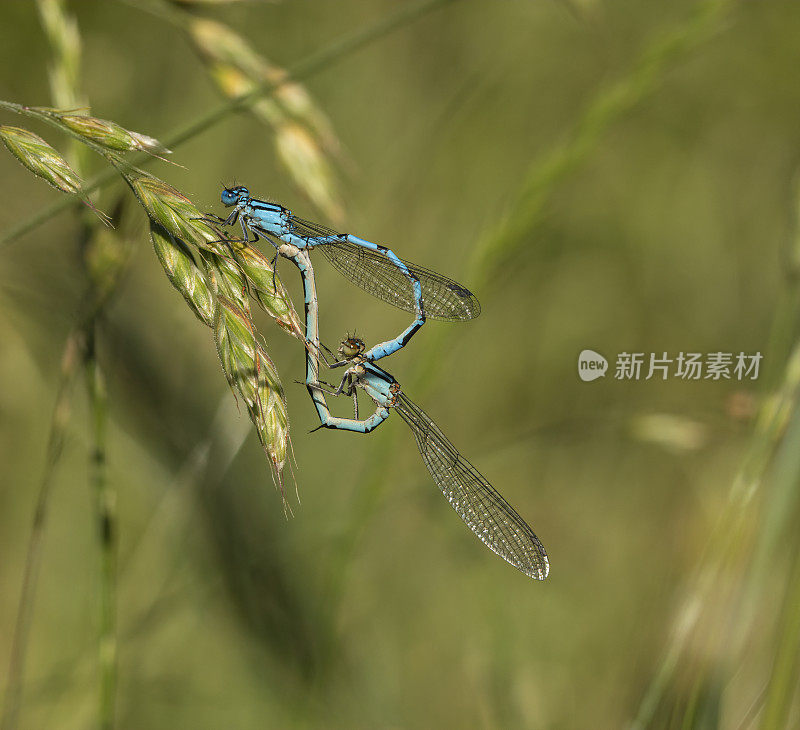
column 458, row 289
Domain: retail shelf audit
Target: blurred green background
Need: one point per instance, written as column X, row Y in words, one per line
column 616, row 176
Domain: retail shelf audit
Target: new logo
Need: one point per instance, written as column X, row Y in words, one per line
column 591, row 365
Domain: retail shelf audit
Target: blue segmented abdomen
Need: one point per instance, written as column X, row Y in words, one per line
column 379, row 385
column 374, row 268
column 384, row 275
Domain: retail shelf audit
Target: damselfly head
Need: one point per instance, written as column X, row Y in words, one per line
column 351, row 347
column 231, row 196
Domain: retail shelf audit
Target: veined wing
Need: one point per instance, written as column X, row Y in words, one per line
column 375, row 273
column 481, row 506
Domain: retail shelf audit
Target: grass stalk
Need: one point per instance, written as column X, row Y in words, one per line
column 738, row 558
column 610, row 104
column 55, row 446
column 106, row 515
column 74, row 356
column 786, row 667
column 64, row 37
column 312, row 64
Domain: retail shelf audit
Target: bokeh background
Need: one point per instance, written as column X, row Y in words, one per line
column 610, row 175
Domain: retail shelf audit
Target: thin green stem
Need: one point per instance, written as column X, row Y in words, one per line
column 55, row 447
column 105, row 499
column 610, row 104
column 765, row 484
column 516, row 229
column 312, row 64
column 786, row 668
column 74, row 352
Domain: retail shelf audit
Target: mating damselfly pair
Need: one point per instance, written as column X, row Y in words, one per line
column 426, row 294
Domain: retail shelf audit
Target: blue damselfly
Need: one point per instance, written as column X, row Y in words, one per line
column 373, row 267
column 482, row 507
column 479, row 505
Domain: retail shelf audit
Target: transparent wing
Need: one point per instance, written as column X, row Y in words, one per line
column 484, row 510
column 442, row 298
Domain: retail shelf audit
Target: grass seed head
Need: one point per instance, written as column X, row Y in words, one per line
column 300, row 152
column 250, row 272
column 227, row 279
column 218, row 43
column 268, row 290
column 110, row 134
column 252, row 374
column 173, row 211
column 302, row 133
column 184, row 273
column 41, row 159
